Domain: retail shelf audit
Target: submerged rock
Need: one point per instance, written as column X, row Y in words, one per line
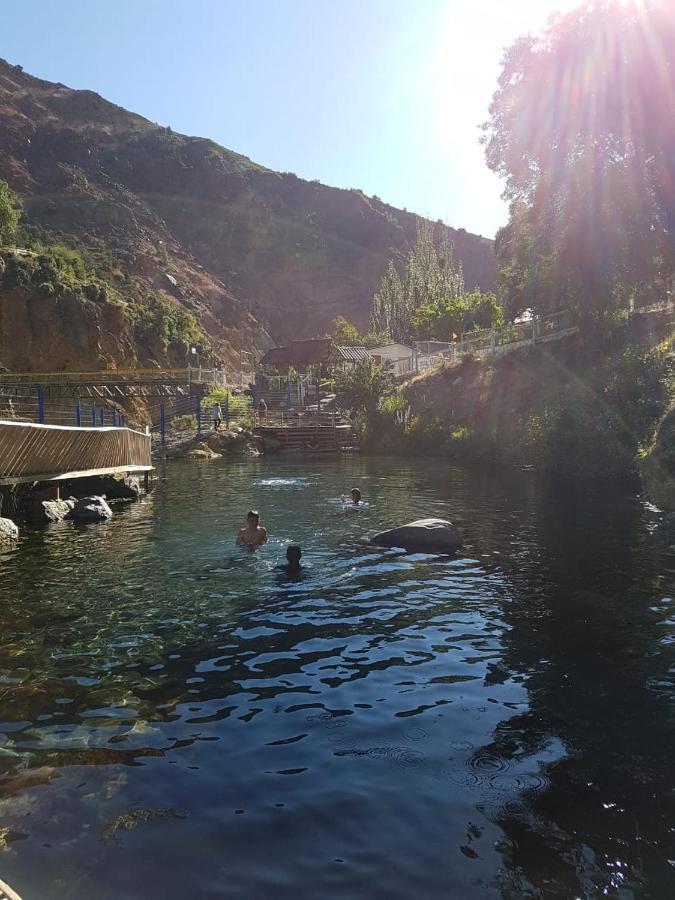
column 8, row 531
column 432, row 535
column 91, row 509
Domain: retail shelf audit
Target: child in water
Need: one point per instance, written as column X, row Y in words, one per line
column 356, row 497
column 293, row 565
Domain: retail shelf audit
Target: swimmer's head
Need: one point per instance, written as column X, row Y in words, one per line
column 293, row 554
column 253, row 517
column 356, row 495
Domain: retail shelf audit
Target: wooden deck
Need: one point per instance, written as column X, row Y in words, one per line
column 30, row 452
column 309, row 438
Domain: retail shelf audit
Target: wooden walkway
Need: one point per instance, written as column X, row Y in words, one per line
column 30, row 452
column 6, row 893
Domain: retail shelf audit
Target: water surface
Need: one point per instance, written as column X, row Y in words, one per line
column 390, row 725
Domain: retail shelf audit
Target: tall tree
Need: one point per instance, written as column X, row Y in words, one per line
column 431, row 278
column 582, row 127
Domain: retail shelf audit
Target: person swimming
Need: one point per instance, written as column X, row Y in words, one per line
column 293, row 565
column 355, row 495
column 254, row 535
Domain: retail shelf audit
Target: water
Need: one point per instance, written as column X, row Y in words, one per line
column 394, row 726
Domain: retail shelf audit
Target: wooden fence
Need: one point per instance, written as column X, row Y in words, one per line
column 30, row 452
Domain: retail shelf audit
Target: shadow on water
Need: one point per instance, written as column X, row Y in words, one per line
column 395, row 725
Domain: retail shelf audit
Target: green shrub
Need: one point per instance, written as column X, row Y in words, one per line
column 184, row 423
column 158, row 318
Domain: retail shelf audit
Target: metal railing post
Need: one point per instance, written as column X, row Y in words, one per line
column 41, row 405
column 102, row 412
column 198, row 412
column 78, row 414
column 227, row 411
column 93, row 414
column 162, row 423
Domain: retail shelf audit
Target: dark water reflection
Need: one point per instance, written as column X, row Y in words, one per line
column 391, row 726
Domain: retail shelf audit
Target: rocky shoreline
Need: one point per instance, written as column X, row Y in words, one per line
column 213, row 445
column 86, row 500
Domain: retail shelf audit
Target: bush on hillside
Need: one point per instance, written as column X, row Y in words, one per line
column 159, row 319
column 9, row 214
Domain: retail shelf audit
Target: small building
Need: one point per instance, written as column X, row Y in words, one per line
column 402, row 358
column 321, row 353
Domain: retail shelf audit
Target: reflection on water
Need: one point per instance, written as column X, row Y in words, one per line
column 390, row 725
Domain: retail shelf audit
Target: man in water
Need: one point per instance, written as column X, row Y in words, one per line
column 356, row 497
column 254, row 535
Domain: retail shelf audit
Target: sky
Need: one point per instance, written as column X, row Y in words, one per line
column 382, row 95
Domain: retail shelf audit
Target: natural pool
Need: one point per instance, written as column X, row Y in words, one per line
column 178, row 720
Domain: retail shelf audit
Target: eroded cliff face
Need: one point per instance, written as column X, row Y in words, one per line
column 254, row 255
column 61, row 333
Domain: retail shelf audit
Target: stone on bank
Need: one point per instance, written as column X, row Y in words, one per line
column 91, row 509
column 8, row 531
column 46, row 512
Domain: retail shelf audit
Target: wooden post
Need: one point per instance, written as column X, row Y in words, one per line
column 41, row 405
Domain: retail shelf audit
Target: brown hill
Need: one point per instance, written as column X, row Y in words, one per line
column 255, row 255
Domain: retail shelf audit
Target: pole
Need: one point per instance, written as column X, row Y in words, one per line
column 318, row 395
column 227, row 411
column 78, row 414
column 198, row 412
column 41, row 405
column 102, row 416
column 93, row 415
column 162, row 423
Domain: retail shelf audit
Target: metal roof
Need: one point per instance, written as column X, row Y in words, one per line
column 312, row 353
column 353, row 354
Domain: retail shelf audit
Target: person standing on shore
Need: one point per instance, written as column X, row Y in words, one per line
column 217, row 416
column 253, row 535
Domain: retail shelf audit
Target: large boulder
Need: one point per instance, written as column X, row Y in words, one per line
column 45, row 512
column 91, row 509
column 8, row 531
column 426, row 535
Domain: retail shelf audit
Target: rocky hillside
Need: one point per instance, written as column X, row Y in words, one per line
column 170, row 221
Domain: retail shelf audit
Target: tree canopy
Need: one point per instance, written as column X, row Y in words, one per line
column 582, row 128
column 430, row 300
column 9, row 214
column 344, row 332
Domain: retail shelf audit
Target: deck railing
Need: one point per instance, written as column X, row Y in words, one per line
column 30, row 452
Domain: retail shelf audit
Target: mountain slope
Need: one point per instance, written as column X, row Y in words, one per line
column 255, row 255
